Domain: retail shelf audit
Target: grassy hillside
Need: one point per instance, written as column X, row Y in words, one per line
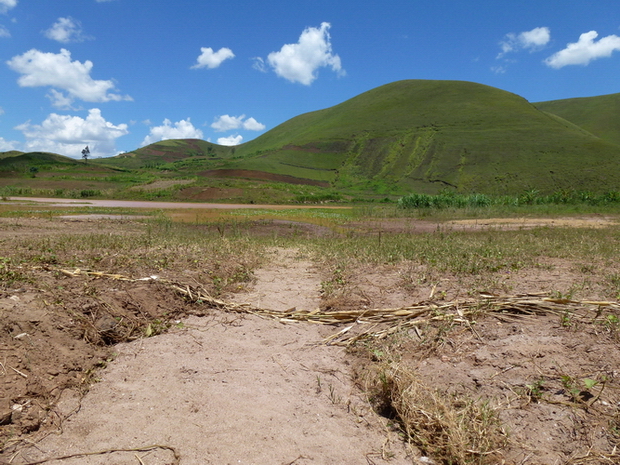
column 11, row 153
column 599, row 115
column 19, row 161
column 166, row 151
column 407, row 136
column 428, row 135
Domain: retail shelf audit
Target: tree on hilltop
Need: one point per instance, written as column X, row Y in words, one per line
column 86, row 154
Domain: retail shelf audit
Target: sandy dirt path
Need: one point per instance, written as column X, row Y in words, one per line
column 228, row 389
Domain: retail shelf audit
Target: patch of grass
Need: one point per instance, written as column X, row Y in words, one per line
column 614, row 284
column 160, row 247
column 462, row 252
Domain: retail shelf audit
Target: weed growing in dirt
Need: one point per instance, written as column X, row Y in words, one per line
column 11, row 272
column 534, row 391
column 614, row 284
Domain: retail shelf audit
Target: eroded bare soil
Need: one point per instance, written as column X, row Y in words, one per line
column 221, row 387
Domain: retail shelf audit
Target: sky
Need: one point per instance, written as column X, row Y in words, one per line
column 116, row 75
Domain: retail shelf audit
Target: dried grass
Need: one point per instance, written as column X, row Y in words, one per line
column 379, row 323
column 448, row 428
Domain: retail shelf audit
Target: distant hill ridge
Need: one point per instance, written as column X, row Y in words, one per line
column 599, row 115
column 423, row 136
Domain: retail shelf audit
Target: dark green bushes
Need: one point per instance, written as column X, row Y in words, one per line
column 444, row 200
column 532, row 197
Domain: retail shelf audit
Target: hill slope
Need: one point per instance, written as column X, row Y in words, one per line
column 426, row 135
column 17, row 161
column 165, row 151
column 406, row 136
column 599, row 115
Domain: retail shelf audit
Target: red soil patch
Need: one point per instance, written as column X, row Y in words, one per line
column 210, row 193
column 261, row 175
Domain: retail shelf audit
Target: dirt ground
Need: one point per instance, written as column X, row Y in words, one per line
column 227, row 388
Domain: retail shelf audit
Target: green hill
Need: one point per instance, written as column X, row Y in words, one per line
column 407, row 136
column 428, row 135
column 165, row 151
column 17, row 161
column 599, row 115
column 11, row 153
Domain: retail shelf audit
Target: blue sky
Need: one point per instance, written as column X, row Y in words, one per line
column 119, row 74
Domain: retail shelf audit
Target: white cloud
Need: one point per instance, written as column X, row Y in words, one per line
column 251, row 124
column 259, row 64
column 230, row 140
column 6, row 5
column 68, row 135
column 536, row 38
column 584, row 50
column 40, row 69
column 532, row 40
column 183, row 129
column 59, row 100
column 299, row 62
column 4, row 32
column 227, row 123
column 210, row 59
column 66, row 30
column 7, row 145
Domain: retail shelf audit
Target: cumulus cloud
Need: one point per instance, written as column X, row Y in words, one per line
column 66, row 30
column 183, row 129
column 227, row 123
column 68, row 135
column 300, row 62
column 39, row 69
column 532, row 40
column 230, row 140
column 6, row 5
column 251, row 124
column 7, row 145
column 210, row 59
column 584, row 50
column 4, row 32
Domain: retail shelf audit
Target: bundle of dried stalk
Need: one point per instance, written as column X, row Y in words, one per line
column 381, row 322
